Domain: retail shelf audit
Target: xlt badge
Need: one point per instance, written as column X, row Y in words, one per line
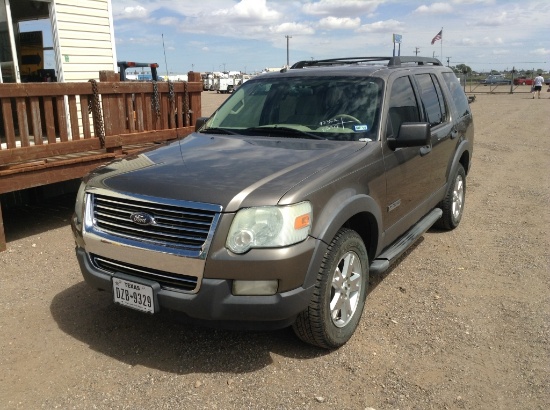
column 394, row 205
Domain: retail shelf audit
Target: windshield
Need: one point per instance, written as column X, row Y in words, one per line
column 333, row 108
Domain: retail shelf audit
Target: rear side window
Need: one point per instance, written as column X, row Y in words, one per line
column 432, row 99
column 402, row 106
column 457, row 94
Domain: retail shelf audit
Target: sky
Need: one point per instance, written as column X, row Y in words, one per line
column 251, row 35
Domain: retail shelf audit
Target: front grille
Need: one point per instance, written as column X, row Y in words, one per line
column 175, row 225
column 166, row 280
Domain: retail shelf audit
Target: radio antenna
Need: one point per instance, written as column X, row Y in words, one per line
column 164, row 49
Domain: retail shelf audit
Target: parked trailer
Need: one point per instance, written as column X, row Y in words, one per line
column 124, row 65
column 227, row 82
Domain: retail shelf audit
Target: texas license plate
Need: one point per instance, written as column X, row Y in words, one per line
column 133, row 295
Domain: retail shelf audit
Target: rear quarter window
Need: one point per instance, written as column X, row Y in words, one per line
column 457, row 94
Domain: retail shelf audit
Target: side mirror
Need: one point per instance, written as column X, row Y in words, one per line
column 412, row 134
column 200, row 122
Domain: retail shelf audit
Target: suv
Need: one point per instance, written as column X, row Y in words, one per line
column 276, row 210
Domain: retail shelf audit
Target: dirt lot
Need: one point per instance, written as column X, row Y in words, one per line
column 462, row 322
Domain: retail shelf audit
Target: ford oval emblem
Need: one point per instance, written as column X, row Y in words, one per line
column 142, row 218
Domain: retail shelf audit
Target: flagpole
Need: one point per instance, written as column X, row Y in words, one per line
column 441, row 59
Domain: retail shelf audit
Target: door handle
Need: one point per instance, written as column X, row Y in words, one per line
column 454, row 134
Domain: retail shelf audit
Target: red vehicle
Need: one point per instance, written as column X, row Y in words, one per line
column 523, row 81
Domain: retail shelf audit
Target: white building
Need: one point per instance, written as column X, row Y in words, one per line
column 82, row 33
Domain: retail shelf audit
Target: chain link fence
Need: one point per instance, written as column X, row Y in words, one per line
column 476, row 83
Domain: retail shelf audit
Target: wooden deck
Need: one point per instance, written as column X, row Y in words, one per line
column 48, row 133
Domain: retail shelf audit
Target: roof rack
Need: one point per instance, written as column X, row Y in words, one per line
column 392, row 61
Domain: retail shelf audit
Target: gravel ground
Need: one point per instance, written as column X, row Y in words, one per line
column 461, row 322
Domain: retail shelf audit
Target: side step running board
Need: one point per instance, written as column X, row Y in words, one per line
column 386, row 258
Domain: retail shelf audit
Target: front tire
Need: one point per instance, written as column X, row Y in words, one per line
column 339, row 296
column 453, row 204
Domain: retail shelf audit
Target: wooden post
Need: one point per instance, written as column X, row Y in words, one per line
column 111, row 107
column 194, row 98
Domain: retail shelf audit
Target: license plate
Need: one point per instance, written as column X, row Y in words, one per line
column 133, row 295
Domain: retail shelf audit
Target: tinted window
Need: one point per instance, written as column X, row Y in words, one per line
column 459, row 98
column 432, row 99
column 402, row 106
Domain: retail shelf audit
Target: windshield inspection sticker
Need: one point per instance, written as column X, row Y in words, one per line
column 359, row 128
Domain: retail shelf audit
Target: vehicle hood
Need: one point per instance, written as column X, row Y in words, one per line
column 230, row 171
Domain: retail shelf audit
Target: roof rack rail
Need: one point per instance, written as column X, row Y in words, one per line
column 392, row 61
column 397, row 61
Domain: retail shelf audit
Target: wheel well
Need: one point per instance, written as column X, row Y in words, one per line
column 365, row 225
column 465, row 161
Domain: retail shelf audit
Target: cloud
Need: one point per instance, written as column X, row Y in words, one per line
column 337, row 23
column 168, row 21
column 500, row 19
column 540, row 52
column 484, row 41
column 255, row 11
column 341, row 8
column 292, row 28
column 435, row 8
column 381, row 27
column 134, row 12
column 471, row 2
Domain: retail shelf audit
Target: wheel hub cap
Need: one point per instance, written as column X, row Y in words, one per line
column 346, row 288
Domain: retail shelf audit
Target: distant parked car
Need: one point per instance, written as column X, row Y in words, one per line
column 496, row 79
column 523, row 81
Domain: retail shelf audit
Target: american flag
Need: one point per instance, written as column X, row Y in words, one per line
column 437, row 36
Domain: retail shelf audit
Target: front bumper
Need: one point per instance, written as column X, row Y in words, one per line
column 214, row 301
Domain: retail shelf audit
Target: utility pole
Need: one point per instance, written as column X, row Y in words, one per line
column 416, row 49
column 287, row 55
column 448, row 58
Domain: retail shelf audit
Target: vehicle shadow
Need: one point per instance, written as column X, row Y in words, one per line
column 37, row 217
column 165, row 343
column 168, row 343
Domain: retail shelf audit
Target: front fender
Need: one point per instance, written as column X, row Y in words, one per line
column 334, row 215
column 337, row 212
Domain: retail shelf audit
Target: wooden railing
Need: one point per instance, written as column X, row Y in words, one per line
column 53, row 132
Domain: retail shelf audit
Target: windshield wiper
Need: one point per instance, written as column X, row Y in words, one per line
column 218, row 131
column 285, row 130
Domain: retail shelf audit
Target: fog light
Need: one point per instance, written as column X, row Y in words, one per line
column 255, row 287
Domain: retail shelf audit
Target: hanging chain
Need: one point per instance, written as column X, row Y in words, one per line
column 94, row 108
column 171, row 91
column 171, row 100
column 185, row 105
column 155, row 101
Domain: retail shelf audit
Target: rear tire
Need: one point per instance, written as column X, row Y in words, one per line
column 339, row 296
column 453, row 204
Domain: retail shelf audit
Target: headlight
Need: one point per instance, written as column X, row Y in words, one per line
column 269, row 227
column 79, row 204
